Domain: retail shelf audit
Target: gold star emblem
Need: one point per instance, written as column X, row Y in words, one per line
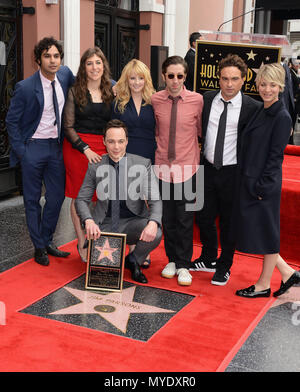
column 251, row 55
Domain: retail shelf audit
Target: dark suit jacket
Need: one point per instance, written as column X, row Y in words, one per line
column 140, row 182
column 249, row 107
column 287, row 95
column 296, row 91
column 260, row 175
column 190, row 60
column 26, row 109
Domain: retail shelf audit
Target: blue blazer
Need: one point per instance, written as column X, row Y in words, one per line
column 26, row 109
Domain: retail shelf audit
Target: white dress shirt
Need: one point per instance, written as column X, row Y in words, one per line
column 230, row 142
column 46, row 128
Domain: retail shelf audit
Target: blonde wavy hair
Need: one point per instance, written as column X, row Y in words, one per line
column 122, row 86
column 272, row 73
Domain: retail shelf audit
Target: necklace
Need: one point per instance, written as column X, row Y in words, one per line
column 95, row 95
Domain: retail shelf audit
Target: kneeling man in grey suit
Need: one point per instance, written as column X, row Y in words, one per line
column 128, row 198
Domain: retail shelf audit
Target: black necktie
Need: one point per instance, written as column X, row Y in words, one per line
column 218, row 157
column 56, row 108
column 172, row 134
column 115, row 203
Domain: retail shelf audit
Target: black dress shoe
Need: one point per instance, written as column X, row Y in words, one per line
column 41, row 257
column 54, row 251
column 294, row 279
column 133, row 266
column 250, row 292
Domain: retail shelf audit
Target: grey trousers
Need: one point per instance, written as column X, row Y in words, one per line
column 133, row 228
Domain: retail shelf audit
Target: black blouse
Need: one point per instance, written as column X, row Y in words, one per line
column 90, row 119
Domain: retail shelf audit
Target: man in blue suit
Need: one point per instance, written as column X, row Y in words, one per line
column 35, row 134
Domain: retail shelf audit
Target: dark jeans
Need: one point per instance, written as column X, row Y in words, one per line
column 219, row 186
column 178, row 224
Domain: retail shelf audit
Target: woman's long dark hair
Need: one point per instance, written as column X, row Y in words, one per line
column 80, row 86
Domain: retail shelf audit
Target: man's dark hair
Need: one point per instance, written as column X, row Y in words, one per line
column 115, row 124
column 45, row 44
column 174, row 60
column 194, row 36
column 233, row 60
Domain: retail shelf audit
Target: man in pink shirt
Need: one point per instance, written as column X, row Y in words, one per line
column 178, row 124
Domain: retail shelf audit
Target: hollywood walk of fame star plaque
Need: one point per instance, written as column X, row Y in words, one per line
column 210, row 53
column 105, row 265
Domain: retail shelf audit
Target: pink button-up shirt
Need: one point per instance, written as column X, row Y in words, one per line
column 188, row 128
column 46, row 128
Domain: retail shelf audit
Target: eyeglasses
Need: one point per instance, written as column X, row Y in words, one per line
column 172, row 76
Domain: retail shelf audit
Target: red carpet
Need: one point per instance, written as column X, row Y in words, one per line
column 203, row 336
column 290, row 202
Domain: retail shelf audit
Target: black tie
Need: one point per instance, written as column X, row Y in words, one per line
column 172, row 134
column 218, row 157
column 115, row 203
column 56, row 108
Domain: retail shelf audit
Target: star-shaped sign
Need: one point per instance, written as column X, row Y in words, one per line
column 115, row 308
column 106, row 251
column 251, row 55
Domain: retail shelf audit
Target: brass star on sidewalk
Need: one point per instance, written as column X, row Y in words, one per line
column 115, row 308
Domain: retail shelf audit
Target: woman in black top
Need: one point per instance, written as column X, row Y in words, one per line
column 87, row 110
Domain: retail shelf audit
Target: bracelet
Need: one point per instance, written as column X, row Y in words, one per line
column 85, row 148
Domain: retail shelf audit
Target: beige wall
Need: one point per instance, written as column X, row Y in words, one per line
column 87, row 23
column 206, row 14
column 150, row 37
column 44, row 23
column 238, row 9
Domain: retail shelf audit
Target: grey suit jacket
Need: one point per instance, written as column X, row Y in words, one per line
column 137, row 184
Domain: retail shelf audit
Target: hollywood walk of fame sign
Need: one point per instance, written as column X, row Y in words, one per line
column 210, row 53
column 105, row 264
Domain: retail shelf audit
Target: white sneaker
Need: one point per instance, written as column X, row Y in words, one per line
column 184, row 277
column 169, row 271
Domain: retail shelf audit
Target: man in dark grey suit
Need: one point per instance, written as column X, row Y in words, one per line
column 220, row 175
column 128, row 198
